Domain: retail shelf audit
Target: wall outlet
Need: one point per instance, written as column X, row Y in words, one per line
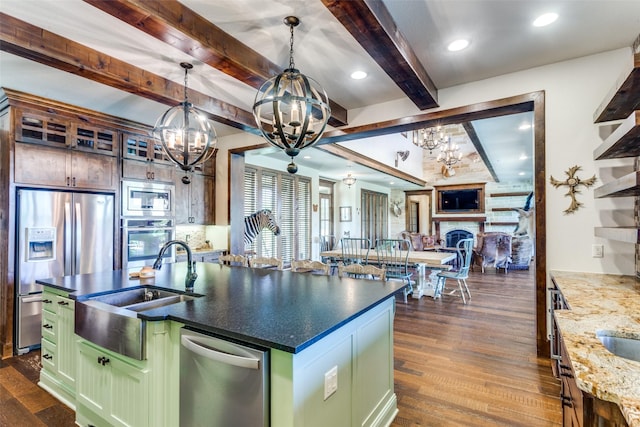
column 597, row 251
column 330, row 382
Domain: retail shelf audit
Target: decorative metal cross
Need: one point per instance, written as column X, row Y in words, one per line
column 572, row 182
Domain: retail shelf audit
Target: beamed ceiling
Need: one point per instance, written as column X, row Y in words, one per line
column 135, row 46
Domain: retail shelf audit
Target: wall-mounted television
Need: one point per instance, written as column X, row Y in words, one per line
column 460, row 199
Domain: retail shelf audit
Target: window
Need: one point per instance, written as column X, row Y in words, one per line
column 326, row 208
column 289, row 198
column 414, row 217
column 375, row 219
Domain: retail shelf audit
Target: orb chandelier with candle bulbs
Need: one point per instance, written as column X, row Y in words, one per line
column 187, row 135
column 291, row 109
column 428, row 139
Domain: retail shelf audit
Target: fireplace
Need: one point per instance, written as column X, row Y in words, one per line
column 452, row 237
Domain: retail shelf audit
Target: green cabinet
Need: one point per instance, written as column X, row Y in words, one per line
column 112, row 387
column 116, row 390
column 59, row 351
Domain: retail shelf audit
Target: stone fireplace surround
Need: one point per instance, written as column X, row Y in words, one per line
column 444, row 225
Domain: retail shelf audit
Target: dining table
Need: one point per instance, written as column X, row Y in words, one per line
column 422, row 260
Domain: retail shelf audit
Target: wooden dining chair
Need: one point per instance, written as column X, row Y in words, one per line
column 309, row 266
column 230, row 259
column 392, row 255
column 464, row 249
column 266, row 262
column 360, row 270
column 355, row 250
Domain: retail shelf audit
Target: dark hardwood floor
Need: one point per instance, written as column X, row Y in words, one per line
column 475, row 364
column 455, row 365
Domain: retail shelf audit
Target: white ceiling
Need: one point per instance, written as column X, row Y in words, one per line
column 502, row 41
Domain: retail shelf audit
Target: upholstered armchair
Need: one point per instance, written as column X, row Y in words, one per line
column 493, row 249
column 419, row 241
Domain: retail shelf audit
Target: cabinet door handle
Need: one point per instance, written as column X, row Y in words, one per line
column 63, row 302
column 73, row 181
column 47, row 356
column 153, row 175
column 103, row 360
column 46, row 301
column 68, row 181
column 47, row 326
column 566, row 374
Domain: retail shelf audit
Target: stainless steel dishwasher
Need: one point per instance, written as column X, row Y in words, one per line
column 222, row 383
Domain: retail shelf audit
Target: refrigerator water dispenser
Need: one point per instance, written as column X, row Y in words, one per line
column 41, row 243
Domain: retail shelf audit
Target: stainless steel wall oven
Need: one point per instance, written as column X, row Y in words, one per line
column 142, row 239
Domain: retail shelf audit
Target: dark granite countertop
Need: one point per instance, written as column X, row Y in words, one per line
column 275, row 309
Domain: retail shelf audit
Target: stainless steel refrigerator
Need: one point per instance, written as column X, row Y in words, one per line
column 58, row 234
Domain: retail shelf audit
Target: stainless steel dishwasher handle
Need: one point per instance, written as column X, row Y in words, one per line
column 197, row 346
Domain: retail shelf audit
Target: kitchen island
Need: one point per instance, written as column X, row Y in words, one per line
column 310, row 325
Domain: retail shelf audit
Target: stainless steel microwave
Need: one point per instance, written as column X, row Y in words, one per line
column 146, row 199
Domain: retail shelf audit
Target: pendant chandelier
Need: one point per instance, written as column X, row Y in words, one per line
column 429, row 138
column 186, row 134
column 449, row 153
column 291, row 109
column 349, row 180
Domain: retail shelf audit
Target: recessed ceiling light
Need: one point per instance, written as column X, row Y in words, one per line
column 306, row 157
column 457, row 45
column 523, row 157
column 391, row 182
column 358, row 75
column 521, row 174
column 525, row 126
column 544, row 20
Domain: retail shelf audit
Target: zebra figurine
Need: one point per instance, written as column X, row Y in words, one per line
column 255, row 222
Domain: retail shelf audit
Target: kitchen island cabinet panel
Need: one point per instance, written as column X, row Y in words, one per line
column 59, row 351
column 111, row 388
column 364, row 395
column 116, row 390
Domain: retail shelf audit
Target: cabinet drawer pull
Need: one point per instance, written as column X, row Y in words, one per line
column 103, row 360
column 47, row 356
column 565, row 367
column 47, row 326
column 46, row 301
column 153, row 175
column 63, row 302
column 566, row 374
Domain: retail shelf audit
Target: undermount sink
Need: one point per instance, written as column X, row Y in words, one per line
column 141, row 299
column 112, row 322
column 628, row 348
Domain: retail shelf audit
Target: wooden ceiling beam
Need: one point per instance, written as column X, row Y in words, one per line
column 371, row 24
column 173, row 23
column 28, row 41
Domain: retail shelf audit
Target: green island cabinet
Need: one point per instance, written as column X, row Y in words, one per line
column 116, row 390
column 59, row 351
column 362, row 351
column 108, row 389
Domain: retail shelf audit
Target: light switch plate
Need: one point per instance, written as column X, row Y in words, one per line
column 330, row 382
column 597, row 251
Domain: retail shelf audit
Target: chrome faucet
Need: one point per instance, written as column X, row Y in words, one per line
column 191, row 265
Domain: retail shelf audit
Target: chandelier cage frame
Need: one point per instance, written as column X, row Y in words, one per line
column 186, row 134
column 291, row 109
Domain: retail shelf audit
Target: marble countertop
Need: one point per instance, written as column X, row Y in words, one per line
column 602, row 302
